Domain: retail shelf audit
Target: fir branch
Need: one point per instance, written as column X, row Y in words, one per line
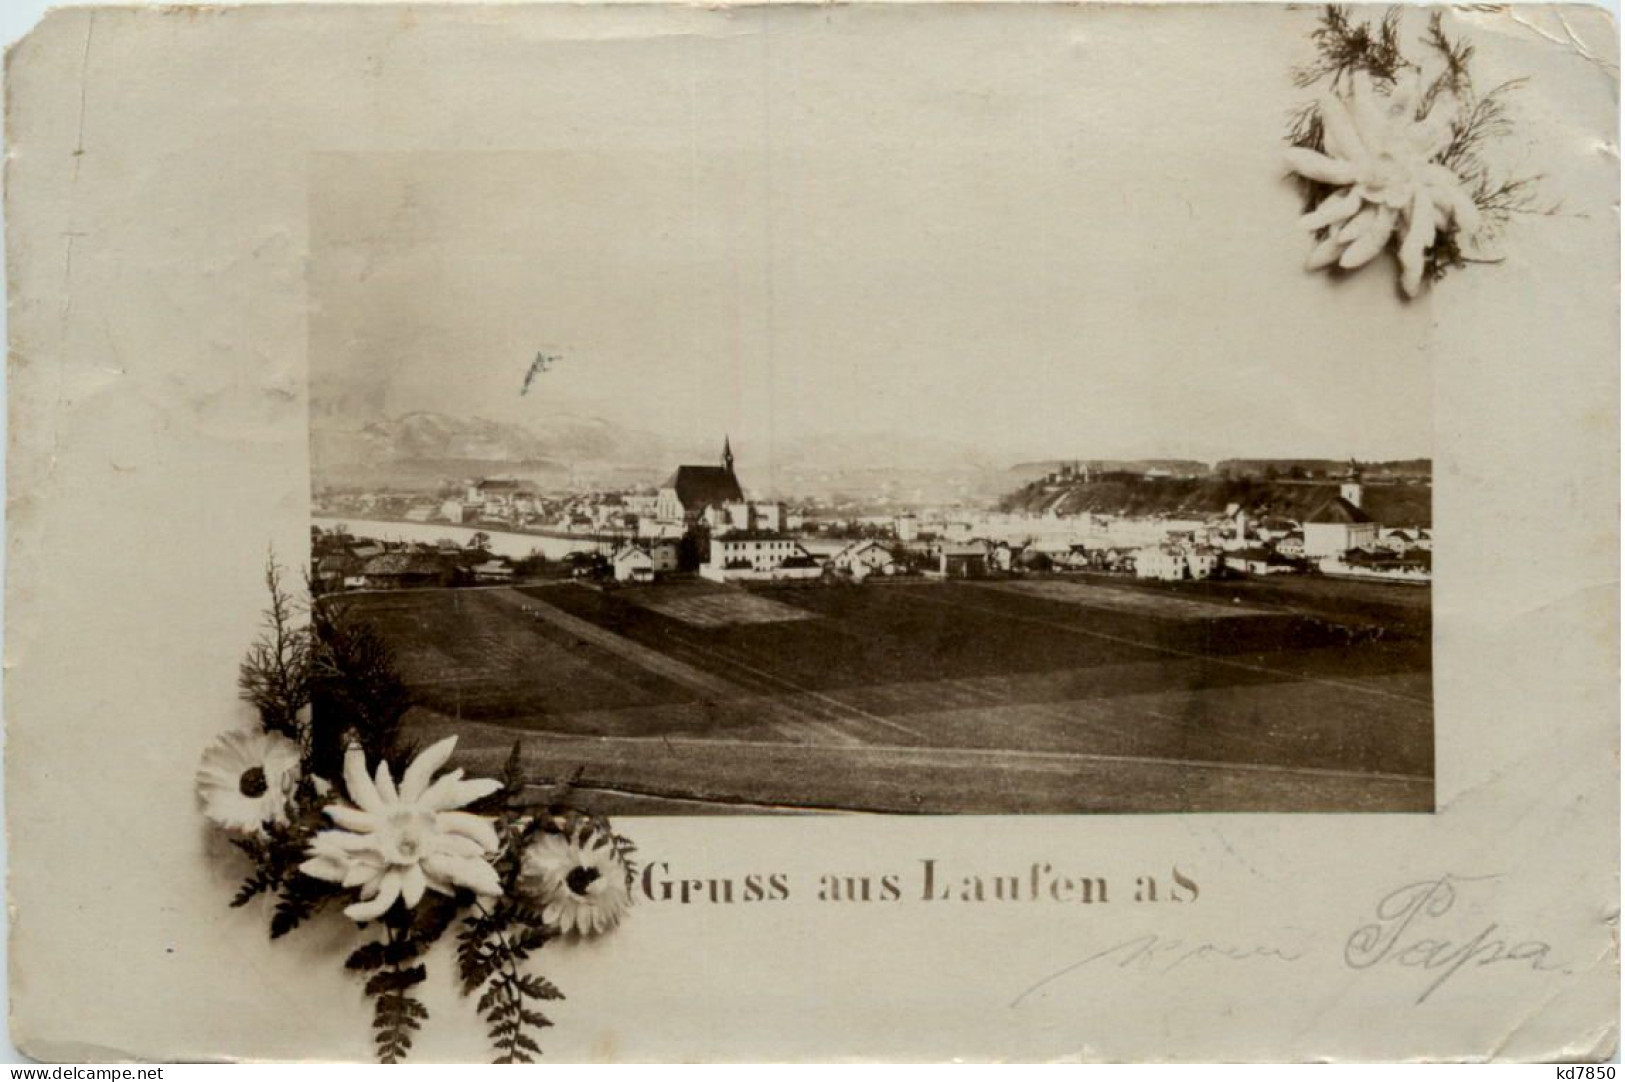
column 1346, row 47
column 1457, row 56
column 275, row 676
column 356, row 689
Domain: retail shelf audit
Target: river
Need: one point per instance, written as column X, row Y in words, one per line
column 512, row 545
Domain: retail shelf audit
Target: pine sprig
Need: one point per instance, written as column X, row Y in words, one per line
column 275, row 676
column 1344, row 47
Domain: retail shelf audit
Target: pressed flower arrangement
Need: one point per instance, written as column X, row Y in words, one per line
column 1393, row 153
column 407, row 849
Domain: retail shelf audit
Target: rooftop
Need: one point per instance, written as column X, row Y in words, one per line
column 1337, row 510
column 702, row 486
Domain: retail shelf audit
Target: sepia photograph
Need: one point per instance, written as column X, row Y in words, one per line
column 722, row 479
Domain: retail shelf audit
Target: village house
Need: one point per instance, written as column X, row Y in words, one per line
column 1172, row 562
column 1397, row 541
column 493, row 571
column 1358, row 563
column 641, row 561
column 962, row 561
column 338, row 571
column 632, row 563
column 1257, row 560
column 459, row 511
column 405, row 570
column 1075, row 558
column 861, row 559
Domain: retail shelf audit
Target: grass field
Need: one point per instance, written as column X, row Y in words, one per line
column 1035, row 695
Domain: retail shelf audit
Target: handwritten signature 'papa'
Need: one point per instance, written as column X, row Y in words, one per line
column 1402, row 935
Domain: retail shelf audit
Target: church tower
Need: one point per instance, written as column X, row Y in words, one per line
column 1352, row 490
column 727, row 455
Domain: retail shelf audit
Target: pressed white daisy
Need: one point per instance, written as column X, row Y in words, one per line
column 245, row 780
column 577, row 878
column 395, row 843
column 1383, row 161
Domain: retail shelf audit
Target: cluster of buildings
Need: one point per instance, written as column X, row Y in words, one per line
column 340, row 561
column 1339, row 538
column 503, row 503
column 700, row 521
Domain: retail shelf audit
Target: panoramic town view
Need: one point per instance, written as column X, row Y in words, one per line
column 1156, row 635
column 718, row 479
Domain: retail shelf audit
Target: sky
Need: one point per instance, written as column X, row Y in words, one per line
column 1070, row 235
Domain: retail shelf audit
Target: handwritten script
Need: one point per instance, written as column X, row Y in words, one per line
column 1156, row 954
column 1410, row 931
column 1416, row 927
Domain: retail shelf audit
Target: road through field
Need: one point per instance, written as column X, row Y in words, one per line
column 652, row 660
column 810, row 712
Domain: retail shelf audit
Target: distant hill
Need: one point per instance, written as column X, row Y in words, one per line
column 420, row 450
column 1394, row 504
column 1178, row 467
column 1317, row 468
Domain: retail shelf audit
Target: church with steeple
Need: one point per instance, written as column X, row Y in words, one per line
column 691, row 491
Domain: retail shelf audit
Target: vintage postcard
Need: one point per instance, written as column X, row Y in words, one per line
column 879, row 531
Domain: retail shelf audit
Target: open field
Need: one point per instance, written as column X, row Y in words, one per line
column 1037, row 695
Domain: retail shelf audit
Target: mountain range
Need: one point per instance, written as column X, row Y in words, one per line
column 425, row 450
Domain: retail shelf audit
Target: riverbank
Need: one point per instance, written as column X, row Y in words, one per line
column 515, row 545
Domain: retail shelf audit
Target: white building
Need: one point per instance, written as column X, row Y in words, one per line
column 1175, row 563
column 861, row 559
column 456, row 510
column 1337, row 526
column 632, row 563
column 759, row 556
column 641, row 561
